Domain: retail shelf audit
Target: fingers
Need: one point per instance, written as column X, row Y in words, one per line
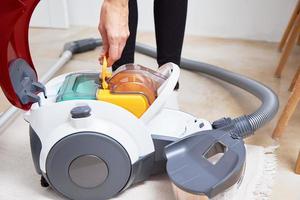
column 116, row 47
column 113, row 47
column 105, row 45
column 114, row 51
column 113, row 54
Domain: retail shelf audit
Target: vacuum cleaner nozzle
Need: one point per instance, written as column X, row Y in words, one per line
column 206, row 163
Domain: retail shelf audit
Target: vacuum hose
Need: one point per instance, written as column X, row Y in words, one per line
column 245, row 125
column 241, row 127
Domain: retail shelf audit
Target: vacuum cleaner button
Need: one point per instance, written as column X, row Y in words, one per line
column 81, row 112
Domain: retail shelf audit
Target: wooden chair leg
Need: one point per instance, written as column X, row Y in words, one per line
column 289, row 46
column 298, row 41
column 288, row 111
column 289, row 26
column 297, row 168
column 297, row 75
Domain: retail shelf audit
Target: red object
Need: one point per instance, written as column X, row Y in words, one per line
column 14, row 23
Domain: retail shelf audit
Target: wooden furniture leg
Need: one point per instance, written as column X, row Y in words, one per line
column 298, row 41
column 297, row 75
column 289, row 26
column 288, row 111
column 297, row 169
column 289, row 46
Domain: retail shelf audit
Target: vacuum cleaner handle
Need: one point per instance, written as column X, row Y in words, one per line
column 165, row 91
column 81, row 46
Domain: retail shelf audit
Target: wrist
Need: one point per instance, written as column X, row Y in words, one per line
column 121, row 3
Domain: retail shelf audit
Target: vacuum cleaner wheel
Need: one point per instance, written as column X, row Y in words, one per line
column 88, row 166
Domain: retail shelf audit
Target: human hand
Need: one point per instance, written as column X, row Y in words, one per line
column 114, row 29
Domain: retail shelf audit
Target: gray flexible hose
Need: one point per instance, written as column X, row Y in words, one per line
column 244, row 125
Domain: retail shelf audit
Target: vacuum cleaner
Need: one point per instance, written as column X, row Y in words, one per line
column 94, row 134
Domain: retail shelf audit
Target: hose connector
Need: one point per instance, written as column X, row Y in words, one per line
column 239, row 128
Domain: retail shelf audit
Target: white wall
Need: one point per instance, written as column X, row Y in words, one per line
column 247, row 19
column 84, row 12
column 250, row 19
column 51, row 13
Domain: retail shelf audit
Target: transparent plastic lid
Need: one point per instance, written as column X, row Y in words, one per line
column 128, row 79
column 136, row 79
column 79, row 86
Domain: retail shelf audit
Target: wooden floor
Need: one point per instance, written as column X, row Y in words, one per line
column 199, row 95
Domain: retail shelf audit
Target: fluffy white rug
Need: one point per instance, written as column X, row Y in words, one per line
column 261, row 164
column 256, row 184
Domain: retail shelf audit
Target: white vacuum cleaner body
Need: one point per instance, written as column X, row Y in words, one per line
column 96, row 146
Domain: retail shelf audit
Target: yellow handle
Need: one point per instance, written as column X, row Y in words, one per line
column 104, row 73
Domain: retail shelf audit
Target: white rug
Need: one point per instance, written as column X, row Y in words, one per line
column 261, row 165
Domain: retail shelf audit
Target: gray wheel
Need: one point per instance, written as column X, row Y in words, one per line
column 89, row 166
